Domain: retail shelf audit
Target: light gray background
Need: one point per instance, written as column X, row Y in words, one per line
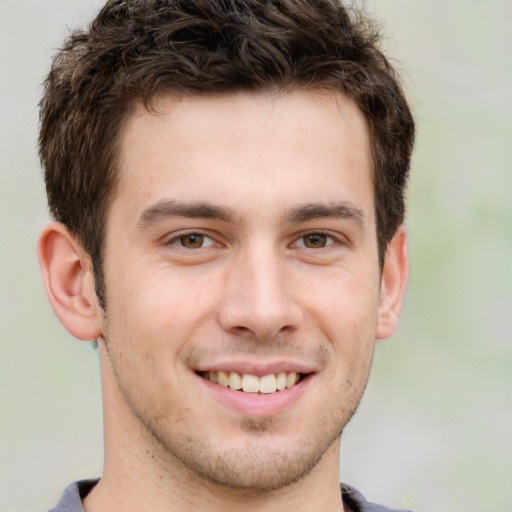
column 434, row 431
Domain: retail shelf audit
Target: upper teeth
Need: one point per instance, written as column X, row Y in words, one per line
column 252, row 383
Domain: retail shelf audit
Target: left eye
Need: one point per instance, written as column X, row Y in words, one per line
column 315, row 241
column 194, row 241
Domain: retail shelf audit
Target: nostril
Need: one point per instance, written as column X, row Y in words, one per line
column 240, row 329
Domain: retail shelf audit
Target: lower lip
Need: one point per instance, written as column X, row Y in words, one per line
column 257, row 404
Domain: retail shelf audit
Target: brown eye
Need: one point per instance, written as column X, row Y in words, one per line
column 192, row 241
column 315, row 240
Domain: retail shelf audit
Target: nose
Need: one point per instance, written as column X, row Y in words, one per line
column 258, row 297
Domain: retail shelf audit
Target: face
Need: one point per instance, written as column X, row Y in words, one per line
column 241, row 252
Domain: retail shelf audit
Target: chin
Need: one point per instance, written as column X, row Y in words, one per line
column 262, row 473
column 261, row 465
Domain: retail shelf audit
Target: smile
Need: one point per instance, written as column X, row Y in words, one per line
column 248, row 383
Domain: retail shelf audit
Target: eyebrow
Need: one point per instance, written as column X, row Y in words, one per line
column 168, row 208
column 171, row 208
column 338, row 210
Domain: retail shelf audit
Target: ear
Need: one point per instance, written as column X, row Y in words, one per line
column 69, row 282
column 393, row 281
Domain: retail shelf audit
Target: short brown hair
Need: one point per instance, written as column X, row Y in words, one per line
column 135, row 48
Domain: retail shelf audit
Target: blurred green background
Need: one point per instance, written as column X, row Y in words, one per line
column 434, row 431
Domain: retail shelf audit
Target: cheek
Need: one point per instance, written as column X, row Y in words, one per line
column 159, row 296
column 345, row 303
column 179, row 302
column 345, row 311
column 153, row 319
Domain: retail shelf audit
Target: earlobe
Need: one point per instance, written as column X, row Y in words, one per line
column 393, row 282
column 69, row 281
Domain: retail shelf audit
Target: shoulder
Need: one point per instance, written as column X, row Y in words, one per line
column 356, row 502
column 71, row 499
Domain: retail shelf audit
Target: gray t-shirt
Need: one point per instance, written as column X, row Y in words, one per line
column 71, row 500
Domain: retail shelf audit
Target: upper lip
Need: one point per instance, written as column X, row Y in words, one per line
column 256, row 367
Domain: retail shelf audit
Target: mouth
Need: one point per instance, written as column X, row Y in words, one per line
column 248, row 383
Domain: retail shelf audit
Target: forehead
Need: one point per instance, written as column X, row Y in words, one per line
column 248, row 149
column 247, row 117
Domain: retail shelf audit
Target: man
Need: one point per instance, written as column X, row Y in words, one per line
column 226, row 179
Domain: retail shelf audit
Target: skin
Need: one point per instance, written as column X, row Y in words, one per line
column 284, row 278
